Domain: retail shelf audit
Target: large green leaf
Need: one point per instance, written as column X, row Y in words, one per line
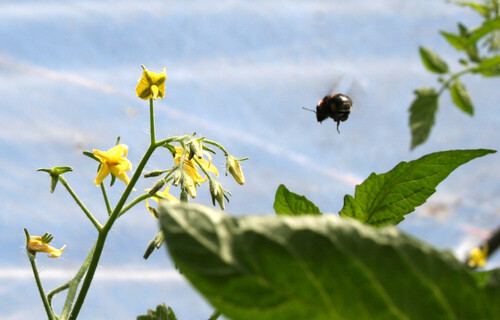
column 432, row 61
column 319, row 268
column 461, row 97
column 291, row 204
column 422, row 114
column 386, row 198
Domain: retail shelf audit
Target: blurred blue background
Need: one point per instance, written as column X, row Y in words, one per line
column 239, row 72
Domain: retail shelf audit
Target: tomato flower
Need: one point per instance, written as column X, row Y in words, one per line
column 151, row 85
column 477, row 257
column 112, row 162
column 193, row 177
column 36, row 244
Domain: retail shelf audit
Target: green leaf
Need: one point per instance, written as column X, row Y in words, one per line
column 487, row 27
column 432, row 61
column 291, row 204
column 478, row 7
column 162, row 313
column 489, row 67
column 422, row 113
column 461, row 98
column 319, row 268
column 459, row 42
column 386, row 198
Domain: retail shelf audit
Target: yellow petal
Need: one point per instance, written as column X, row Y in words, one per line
column 151, row 85
column 103, row 173
column 56, row 252
column 118, row 151
column 191, row 187
column 101, row 155
column 207, row 165
column 120, row 174
column 154, row 91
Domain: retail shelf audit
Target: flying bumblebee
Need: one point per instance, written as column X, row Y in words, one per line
column 336, row 106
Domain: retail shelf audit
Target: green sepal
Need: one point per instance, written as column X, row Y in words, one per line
column 54, row 174
column 91, row 155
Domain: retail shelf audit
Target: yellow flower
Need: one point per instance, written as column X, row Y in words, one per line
column 190, row 168
column 162, row 195
column 477, row 257
column 151, row 85
column 234, row 168
column 37, row 244
column 112, row 162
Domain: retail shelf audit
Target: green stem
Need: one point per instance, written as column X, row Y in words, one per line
column 218, row 145
column 55, row 291
column 152, row 122
column 453, row 77
column 101, row 238
column 31, row 256
column 106, row 200
column 89, row 215
column 134, row 202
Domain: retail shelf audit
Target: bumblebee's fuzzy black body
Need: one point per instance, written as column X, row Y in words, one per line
column 336, row 106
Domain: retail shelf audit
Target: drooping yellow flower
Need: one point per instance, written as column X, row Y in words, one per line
column 36, row 244
column 162, row 195
column 190, row 168
column 234, row 168
column 477, row 257
column 151, row 85
column 113, row 162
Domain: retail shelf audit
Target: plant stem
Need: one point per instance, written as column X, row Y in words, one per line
column 152, row 122
column 101, row 238
column 218, row 145
column 106, row 200
column 89, row 215
column 31, row 257
column 55, row 291
column 452, row 78
column 134, row 202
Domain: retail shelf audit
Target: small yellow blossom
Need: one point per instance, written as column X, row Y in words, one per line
column 190, row 168
column 234, row 168
column 162, row 195
column 112, row 162
column 36, row 244
column 477, row 257
column 151, row 85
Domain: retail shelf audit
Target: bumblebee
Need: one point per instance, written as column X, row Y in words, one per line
column 336, row 106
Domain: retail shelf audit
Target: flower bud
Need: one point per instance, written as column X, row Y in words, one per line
column 233, row 166
column 217, row 193
column 158, row 185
